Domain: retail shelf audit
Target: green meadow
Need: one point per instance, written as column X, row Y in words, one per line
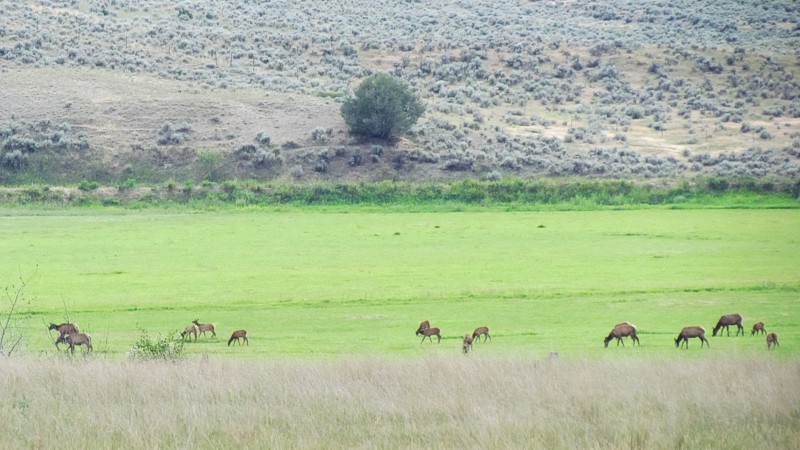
column 356, row 282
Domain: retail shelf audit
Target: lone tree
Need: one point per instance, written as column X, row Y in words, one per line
column 382, row 106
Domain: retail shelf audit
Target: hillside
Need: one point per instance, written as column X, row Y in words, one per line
column 199, row 89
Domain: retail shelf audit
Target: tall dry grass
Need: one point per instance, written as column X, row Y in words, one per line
column 449, row 402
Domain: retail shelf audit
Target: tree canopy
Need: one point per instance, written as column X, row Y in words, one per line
column 382, row 107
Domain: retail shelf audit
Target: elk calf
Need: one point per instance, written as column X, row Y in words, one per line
column 431, row 332
column 481, row 331
column 239, row 334
column 467, row 343
column 728, row 320
column 758, row 328
column 620, row 331
column 189, row 331
column 203, row 327
column 73, row 339
column 692, row 332
column 772, row 339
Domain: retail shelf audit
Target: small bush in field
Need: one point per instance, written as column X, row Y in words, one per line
column 321, row 134
column 86, row 185
column 263, row 139
column 169, row 135
column 15, row 160
column 163, row 347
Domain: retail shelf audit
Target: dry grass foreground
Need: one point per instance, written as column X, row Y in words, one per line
column 450, row 402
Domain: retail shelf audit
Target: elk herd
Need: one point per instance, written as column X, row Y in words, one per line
column 623, row 330
column 196, row 328
column 69, row 334
column 628, row 329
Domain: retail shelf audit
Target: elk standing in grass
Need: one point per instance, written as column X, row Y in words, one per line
column 239, row 334
column 620, row 331
column 73, row 339
column 423, row 326
column 467, row 343
column 431, row 332
column 772, row 339
column 63, row 330
column 476, row 335
column 203, row 327
column 189, row 331
column 692, row 332
column 728, row 320
column 758, row 328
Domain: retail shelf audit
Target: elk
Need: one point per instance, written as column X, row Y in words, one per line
column 758, row 328
column 467, row 343
column 203, row 327
column 423, row 326
column 692, row 332
column 431, row 332
column 73, row 339
column 620, row 331
column 239, row 334
column 189, row 331
column 772, row 339
column 63, row 330
column 481, row 331
column 728, row 320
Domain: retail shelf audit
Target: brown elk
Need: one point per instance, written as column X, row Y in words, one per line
column 63, row 330
column 189, row 331
column 758, row 328
column 772, row 339
column 422, row 327
column 239, row 334
column 73, row 339
column 620, row 331
column 728, row 320
column 467, row 343
column 692, row 332
column 203, row 327
column 431, row 332
column 481, row 331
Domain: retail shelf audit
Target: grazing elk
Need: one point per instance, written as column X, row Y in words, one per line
column 189, row 331
column 431, row 332
column 73, row 339
column 63, row 330
column 481, row 331
column 203, row 327
column 620, row 331
column 467, row 343
column 772, row 339
column 728, row 320
column 422, row 327
column 758, row 328
column 239, row 334
column 692, row 332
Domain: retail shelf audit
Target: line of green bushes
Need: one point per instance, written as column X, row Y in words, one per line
column 575, row 192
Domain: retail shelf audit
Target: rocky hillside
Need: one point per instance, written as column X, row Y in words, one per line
column 199, row 89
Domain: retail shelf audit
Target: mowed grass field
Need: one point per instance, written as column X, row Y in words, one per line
column 357, row 282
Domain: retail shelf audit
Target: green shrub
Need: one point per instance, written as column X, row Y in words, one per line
column 86, row 185
column 163, row 347
column 381, row 107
